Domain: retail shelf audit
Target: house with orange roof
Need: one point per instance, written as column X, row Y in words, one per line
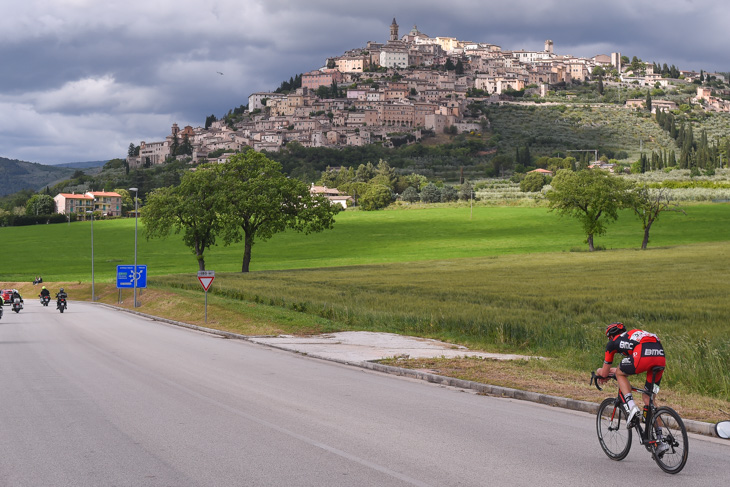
column 107, row 203
column 542, row 171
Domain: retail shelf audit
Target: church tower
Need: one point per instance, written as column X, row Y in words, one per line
column 393, row 31
column 549, row 46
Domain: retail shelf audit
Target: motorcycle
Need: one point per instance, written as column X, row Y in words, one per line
column 45, row 300
column 17, row 305
column 61, row 304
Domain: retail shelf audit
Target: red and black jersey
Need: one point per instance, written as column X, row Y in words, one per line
column 626, row 341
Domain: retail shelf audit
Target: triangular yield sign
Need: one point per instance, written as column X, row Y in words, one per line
column 206, row 282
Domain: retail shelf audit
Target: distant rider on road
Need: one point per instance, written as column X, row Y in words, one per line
column 61, row 294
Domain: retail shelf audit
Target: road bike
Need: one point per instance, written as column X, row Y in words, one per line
column 663, row 433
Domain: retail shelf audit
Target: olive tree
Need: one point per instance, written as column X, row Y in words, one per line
column 430, row 193
column 592, row 196
column 410, row 195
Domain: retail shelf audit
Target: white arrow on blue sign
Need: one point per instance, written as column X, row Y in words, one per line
column 125, row 276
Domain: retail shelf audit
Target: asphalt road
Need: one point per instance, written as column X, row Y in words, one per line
column 96, row 397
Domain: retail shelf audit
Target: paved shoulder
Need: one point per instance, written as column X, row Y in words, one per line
column 365, row 346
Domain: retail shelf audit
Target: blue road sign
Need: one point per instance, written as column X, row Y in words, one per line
column 125, row 276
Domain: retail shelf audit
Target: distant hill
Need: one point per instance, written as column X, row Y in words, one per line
column 18, row 175
column 82, row 165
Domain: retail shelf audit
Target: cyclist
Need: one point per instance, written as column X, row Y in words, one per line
column 642, row 351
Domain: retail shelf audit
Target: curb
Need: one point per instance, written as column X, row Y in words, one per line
column 699, row 427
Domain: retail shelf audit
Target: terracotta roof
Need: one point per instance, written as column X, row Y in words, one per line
column 76, row 196
column 105, row 193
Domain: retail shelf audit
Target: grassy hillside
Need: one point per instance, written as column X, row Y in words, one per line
column 555, row 128
column 19, row 175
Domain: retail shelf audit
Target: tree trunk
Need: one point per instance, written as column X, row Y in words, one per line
column 199, row 256
column 645, row 242
column 590, row 242
column 247, row 253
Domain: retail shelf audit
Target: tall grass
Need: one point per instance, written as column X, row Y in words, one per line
column 554, row 304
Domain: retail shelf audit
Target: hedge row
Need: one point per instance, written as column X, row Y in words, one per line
column 22, row 220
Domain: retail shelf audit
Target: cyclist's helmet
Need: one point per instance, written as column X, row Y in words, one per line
column 44, row 287
column 614, row 329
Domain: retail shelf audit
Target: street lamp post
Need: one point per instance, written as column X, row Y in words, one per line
column 136, row 212
column 93, row 294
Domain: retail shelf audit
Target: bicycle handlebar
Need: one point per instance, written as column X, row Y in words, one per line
column 594, row 379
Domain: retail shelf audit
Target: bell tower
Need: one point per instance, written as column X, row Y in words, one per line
column 393, row 31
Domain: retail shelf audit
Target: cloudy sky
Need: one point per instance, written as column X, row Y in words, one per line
column 81, row 79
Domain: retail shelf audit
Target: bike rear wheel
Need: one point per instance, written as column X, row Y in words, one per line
column 614, row 436
column 675, row 435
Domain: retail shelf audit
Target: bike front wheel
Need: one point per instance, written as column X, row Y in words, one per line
column 614, row 436
column 673, row 459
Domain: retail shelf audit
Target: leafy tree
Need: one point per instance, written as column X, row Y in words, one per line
column 376, row 197
column 40, row 204
column 430, row 193
column 410, row 195
column 209, row 120
column 127, row 199
column 449, row 193
column 533, row 182
column 648, row 101
column 130, row 150
column 649, row 204
column 365, row 172
column 465, row 192
column 591, row 196
column 193, row 207
column 260, row 201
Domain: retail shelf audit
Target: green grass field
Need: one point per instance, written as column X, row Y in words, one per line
column 62, row 252
column 505, row 280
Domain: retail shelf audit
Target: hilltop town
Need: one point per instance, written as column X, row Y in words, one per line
column 408, row 86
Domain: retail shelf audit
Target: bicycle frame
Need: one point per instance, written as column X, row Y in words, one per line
column 663, row 433
column 643, row 433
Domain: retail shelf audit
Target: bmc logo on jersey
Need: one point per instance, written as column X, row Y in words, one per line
column 653, row 353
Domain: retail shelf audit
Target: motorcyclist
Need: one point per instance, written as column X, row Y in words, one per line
column 44, row 292
column 61, row 294
column 16, row 295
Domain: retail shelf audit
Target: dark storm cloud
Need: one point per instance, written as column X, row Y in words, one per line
column 86, row 78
